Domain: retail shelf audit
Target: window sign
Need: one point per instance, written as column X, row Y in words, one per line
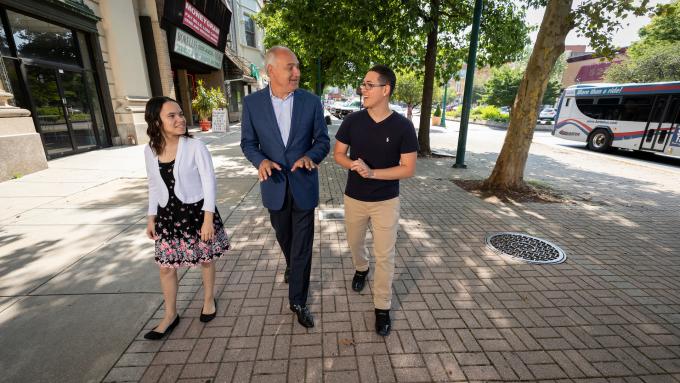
column 200, row 24
column 191, row 47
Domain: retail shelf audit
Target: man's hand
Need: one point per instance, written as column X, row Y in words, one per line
column 361, row 168
column 265, row 169
column 304, row 163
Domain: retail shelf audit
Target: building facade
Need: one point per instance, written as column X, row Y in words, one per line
column 75, row 75
column 245, row 48
column 588, row 68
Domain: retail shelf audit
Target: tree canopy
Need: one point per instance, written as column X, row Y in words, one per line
column 653, row 64
column 428, row 37
column 656, row 56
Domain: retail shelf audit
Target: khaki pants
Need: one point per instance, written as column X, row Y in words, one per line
column 384, row 219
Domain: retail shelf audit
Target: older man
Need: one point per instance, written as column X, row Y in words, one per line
column 284, row 135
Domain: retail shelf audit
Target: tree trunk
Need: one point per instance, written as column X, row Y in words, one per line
column 508, row 174
column 428, row 83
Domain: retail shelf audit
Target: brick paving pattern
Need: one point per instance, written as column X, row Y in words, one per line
column 610, row 313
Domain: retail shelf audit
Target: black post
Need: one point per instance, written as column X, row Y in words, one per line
column 319, row 90
column 469, row 79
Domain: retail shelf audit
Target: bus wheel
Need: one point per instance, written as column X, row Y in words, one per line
column 600, row 140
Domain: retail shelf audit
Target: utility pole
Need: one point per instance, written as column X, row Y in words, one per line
column 469, row 79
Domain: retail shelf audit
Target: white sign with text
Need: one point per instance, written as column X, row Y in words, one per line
column 219, row 120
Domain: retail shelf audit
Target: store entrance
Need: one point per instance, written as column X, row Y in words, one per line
column 62, row 108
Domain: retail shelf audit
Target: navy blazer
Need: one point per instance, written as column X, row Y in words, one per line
column 261, row 139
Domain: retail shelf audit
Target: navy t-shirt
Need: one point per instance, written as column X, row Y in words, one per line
column 380, row 145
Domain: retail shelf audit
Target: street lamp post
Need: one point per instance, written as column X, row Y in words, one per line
column 443, row 121
column 469, row 78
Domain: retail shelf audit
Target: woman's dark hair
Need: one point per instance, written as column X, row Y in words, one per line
column 152, row 116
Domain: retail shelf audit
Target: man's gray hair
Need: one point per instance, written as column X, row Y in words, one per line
column 270, row 56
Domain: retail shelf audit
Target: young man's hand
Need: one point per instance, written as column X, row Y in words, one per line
column 361, row 168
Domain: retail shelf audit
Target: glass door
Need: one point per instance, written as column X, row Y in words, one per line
column 62, row 109
column 49, row 110
column 78, row 111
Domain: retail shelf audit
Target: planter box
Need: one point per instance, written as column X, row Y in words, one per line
column 205, row 125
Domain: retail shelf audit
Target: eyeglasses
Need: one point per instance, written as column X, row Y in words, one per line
column 366, row 85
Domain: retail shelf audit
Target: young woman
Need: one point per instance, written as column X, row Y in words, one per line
column 182, row 218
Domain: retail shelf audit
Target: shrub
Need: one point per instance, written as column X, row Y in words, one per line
column 455, row 112
column 438, row 112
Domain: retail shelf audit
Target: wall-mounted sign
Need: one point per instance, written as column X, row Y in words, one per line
column 200, row 24
column 187, row 45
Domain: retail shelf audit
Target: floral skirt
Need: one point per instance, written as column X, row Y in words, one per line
column 179, row 241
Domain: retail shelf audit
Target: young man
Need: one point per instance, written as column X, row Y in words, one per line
column 284, row 135
column 383, row 151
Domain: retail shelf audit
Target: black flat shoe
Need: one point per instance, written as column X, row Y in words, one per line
column 205, row 318
column 383, row 323
column 286, row 274
column 359, row 280
column 155, row 335
column 304, row 317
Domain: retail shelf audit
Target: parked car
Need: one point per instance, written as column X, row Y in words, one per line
column 547, row 114
column 333, row 108
column 398, row 109
column 505, row 109
column 350, row 107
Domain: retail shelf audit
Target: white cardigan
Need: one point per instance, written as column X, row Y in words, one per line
column 194, row 176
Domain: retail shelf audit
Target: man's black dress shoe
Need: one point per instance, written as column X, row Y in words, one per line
column 304, row 317
column 205, row 318
column 286, row 274
column 359, row 280
column 155, row 335
column 383, row 323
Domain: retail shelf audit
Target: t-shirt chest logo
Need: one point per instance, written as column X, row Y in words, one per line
column 387, row 139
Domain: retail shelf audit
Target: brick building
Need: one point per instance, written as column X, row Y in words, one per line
column 75, row 75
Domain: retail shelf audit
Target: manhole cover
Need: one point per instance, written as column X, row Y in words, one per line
column 331, row 214
column 525, row 248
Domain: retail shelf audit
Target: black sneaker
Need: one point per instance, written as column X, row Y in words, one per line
column 383, row 323
column 359, row 280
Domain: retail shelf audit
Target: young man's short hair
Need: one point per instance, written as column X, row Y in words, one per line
column 386, row 75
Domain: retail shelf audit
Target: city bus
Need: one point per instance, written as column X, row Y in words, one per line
column 643, row 117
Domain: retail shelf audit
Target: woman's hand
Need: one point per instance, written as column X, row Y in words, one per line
column 151, row 227
column 207, row 229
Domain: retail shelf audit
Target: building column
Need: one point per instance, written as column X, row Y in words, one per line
column 130, row 88
column 21, row 149
column 185, row 92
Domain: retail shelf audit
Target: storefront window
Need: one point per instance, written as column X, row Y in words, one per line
column 37, row 39
column 4, row 45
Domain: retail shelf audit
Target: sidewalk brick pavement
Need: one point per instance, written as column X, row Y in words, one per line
column 610, row 313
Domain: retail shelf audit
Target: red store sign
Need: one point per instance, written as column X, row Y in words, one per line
column 200, row 24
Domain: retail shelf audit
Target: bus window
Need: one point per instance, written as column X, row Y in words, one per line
column 636, row 108
column 600, row 109
column 658, row 109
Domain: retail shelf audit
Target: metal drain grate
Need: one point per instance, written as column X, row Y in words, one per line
column 525, row 248
column 332, row 215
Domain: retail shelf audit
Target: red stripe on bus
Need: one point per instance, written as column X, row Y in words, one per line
column 649, row 88
column 588, row 128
